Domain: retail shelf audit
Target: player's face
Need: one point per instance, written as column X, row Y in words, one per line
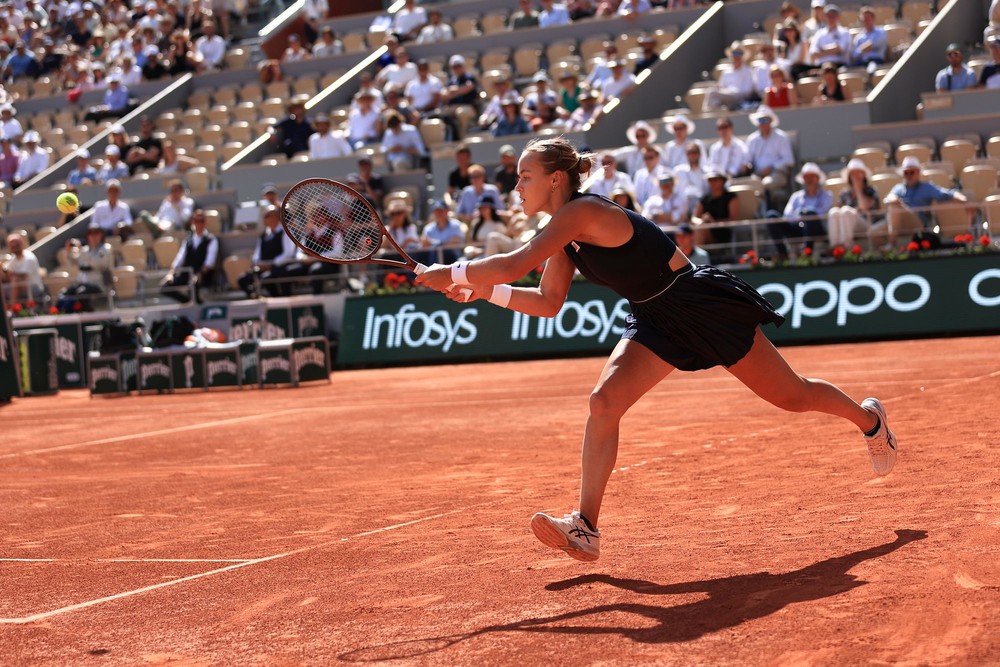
column 534, row 186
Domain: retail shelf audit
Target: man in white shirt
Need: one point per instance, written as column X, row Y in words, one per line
column 647, row 178
column 10, row 127
column 130, row 73
column 552, row 14
column 325, row 142
column 400, row 73
column 364, row 124
column 112, row 214
column 692, row 178
column 211, row 47
column 274, row 251
column 601, row 70
column 408, row 21
column 328, row 44
column 831, row 43
column 424, row 92
column 736, row 85
column 21, row 274
column 435, row 30
column 33, row 161
column 728, row 154
column 609, row 178
column 175, row 210
column 402, row 144
column 620, row 84
column 668, row 207
column 770, row 151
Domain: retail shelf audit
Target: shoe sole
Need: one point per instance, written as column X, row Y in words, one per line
column 554, row 538
column 894, row 447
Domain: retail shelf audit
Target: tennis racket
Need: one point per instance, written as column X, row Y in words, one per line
column 334, row 223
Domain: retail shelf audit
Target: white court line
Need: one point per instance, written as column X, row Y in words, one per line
column 124, row 560
column 255, row 561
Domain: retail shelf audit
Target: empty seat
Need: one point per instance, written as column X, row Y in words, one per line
column 126, row 282
column 234, row 267
column 466, row 26
column 919, row 151
column 199, row 180
column 493, row 22
column 959, row 152
column 978, row 180
column 952, row 219
column 237, row 58
column 433, row 131
column 134, row 253
column 165, row 249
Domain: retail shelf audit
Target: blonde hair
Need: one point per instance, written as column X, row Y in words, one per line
column 558, row 154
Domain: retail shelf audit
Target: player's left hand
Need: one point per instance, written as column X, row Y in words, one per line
column 437, row 277
column 467, row 293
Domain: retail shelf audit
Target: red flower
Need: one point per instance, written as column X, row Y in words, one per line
column 31, row 304
column 16, row 308
column 838, row 251
column 751, row 253
column 743, row 260
column 912, row 246
column 959, row 238
column 969, row 238
column 78, row 306
column 925, row 244
column 392, row 280
column 856, row 249
column 984, row 240
column 53, row 310
column 807, row 251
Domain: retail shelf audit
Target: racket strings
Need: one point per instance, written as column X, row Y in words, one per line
column 331, row 221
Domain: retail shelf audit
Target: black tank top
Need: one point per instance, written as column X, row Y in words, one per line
column 638, row 270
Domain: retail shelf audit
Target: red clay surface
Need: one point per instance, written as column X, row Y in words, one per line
column 384, row 519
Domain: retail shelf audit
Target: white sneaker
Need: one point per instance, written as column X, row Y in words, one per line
column 882, row 445
column 570, row 534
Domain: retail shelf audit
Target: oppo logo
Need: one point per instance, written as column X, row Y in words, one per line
column 976, row 288
column 409, row 328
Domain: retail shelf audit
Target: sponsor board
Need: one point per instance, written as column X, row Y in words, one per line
column 223, row 367
column 10, row 384
column 828, row 303
column 311, row 359
column 104, row 374
column 154, row 371
column 188, row 370
column 37, row 350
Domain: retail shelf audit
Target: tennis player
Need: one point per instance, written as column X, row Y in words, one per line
column 683, row 317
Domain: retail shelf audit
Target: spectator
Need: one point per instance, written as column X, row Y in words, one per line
column 84, row 173
column 146, row 152
column 803, row 212
column 424, row 92
column 511, row 122
column 871, row 44
column 21, row 273
column 815, row 22
column 770, row 151
column 117, row 136
column 483, row 223
column 314, row 11
column 781, row 92
column 520, row 229
column 94, row 262
column 668, row 207
column 210, row 47
column 620, row 84
column 295, row 52
column 569, row 90
column 675, row 150
column 993, row 27
column 436, row 30
column 623, row 198
column 461, row 87
column 641, row 135
column 269, row 71
column 21, row 64
column 541, row 106
column 762, row 67
column 855, row 202
column 831, row 90
column 274, row 251
column 692, row 176
column 646, row 180
column 796, row 50
column 401, row 228
column 632, row 9
column 409, row 21
column 728, row 154
column 718, row 205
column 470, row 196
column 398, row 73
column 736, row 84
column 325, row 142
column 112, row 214
column 601, row 70
column 684, row 238
column 113, row 167
column 364, row 123
column 443, row 239
column 609, row 178
column 182, row 55
column 130, row 73
column 10, row 158
column 172, row 162
column 291, row 133
column 373, row 186
column 402, row 144
column 587, row 113
column 831, row 43
column 458, row 178
column 10, row 126
column 552, row 14
column 175, row 211
column 391, row 42
column 908, row 206
column 194, row 264
column 650, row 54
column 494, row 108
column 581, row 9
column 990, row 76
column 328, row 44
column 957, row 75
column 505, row 175
column 33, row 159
column 524, row 17
column 394, row 101
column 116, row 101
column 788, row 12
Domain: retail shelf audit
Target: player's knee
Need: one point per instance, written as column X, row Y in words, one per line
column 603, row 405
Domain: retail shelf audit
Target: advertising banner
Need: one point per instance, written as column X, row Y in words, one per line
column 10, row 385
column 828, row 303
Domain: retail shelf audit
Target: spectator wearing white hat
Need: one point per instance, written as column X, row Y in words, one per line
column 84, row 172
column 326, row 142
column 816, row 20
column 33, row 160
column 647, row 179
column 10, row 126
column 113, row 167
column 832, row 42
column 993, row 28
column 856, row 200
column 21, row 272
column 10, row 158
column 770, row 151
column 675, row 150
column 640, row 134
column 112, row 214
column 908, row 206
column 364, row 122
column 804, row 212
column 736, row 84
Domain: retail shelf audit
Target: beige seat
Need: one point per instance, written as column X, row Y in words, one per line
column 873, row 157
column 978, row 181
column 495, row 59
column 165, row 249
column 305, row 85
column 211, row 135
column 226, row 96
column 991, row 206
column 938, row 177
column 354, row 42
column 952, row 220
column 251, row 92
column 855, row 82
column 592, row 46
column 883, row 183
column 807, row 88
column 433, row 131
column 959, row 152
column 126, row 282
column 466, row 26
column 493, row 22
column 240, row 131
column 199, row 180
column 213, row 222
column 200, row 99
column 561, row 49
column 55, row 282
column 219, row 115
column 279, row 89
column 527, row 60
column 237, row 58
column 134, row 253
column 234, row 267
column 919, row 151
column 916, row 11
column 749, row 199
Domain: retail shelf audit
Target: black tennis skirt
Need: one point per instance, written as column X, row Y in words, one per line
column 707, row 317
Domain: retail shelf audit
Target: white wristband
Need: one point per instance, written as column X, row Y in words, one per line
column 501, row 295
column 458, row 270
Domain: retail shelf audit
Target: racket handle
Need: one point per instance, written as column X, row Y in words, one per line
column 420, row 268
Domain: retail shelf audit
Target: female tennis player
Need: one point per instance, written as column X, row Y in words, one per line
column 683, row 317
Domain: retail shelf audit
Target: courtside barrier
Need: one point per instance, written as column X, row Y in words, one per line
column 10, row 384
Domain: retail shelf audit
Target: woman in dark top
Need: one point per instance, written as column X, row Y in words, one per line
column 855, row 202
column 719, row 205
column 683, row 317
column 831, row 89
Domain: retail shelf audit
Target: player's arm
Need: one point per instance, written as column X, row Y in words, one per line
column 542, row 301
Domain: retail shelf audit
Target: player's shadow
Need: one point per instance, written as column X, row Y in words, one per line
column 728, row 602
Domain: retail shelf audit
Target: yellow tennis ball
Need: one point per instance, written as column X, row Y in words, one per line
column 67, row 202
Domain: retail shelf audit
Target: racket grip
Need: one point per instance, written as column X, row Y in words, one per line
column 420, row 268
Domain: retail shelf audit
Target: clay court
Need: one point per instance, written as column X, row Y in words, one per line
column 384, row 519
